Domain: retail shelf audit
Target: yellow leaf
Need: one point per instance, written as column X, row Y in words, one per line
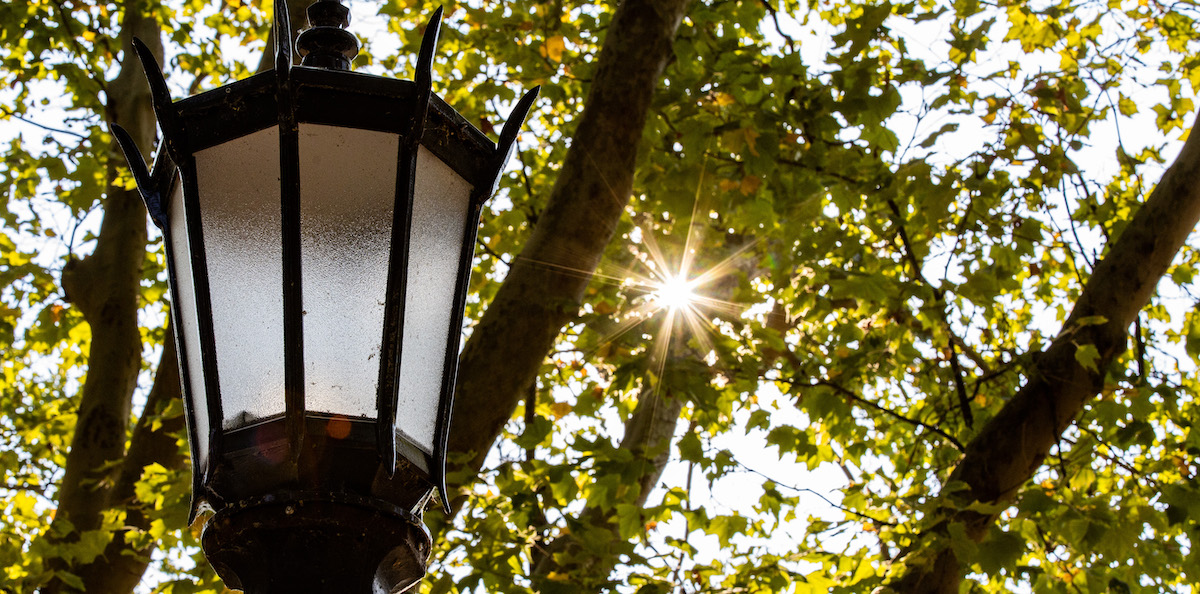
column 560, row 409
column 554, row 48
column 724, row 99
column 750, row 185
column 751, row 136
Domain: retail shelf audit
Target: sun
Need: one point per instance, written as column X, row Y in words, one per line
column 674, row 293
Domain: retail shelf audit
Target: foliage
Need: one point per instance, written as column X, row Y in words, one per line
column 888, row 210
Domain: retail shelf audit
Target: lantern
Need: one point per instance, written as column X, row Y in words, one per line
column 319, row 235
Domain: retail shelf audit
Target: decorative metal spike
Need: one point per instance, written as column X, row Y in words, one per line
column 163, row 173
column 429, row 42
column 424, row 76
column 512, row 127
column 283, row 38
column 160, row 96
column 150, row 191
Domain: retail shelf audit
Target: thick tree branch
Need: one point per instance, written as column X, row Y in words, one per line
column 587, row 559
column 546, row 283
column 155, row 441
column 1013, row 444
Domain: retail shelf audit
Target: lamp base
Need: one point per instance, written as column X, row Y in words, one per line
column 293, row 542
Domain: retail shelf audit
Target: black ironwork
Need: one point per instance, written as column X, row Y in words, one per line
column 153, row 185
column 297, row 542
column 480, row 195
column 328, row 44
column 289, row 194
column 339, row 476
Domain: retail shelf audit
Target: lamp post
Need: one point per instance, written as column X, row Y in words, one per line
column 319, row 228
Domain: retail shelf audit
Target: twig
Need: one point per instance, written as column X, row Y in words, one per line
column 97, row 77
column 859, row 399
column 487, row 248
column 40, row 490
column 818, row 494
column 45, row 127
column 960, row 387
column 791, row 43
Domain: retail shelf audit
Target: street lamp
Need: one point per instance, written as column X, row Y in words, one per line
column 319, row 238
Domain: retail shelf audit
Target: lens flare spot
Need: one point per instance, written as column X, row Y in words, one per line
column 674, row 293
column 338, row 428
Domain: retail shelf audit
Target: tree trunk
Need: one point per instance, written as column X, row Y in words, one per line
column 1013, row 444
column 545, row 286
column 120, row 568
column 106, row 288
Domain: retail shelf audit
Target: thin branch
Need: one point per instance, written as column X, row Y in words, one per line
column 39, row 489
column 791, row 43
column 487, row 248
column 14, row 115
column 859, row 399
column 972, row 354
column 818, row 494
column 960, row 387
column 97, row 77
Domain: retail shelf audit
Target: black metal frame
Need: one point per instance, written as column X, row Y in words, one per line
column 290, row 95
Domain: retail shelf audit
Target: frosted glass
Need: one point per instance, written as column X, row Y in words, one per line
column 189, row 351
column 347, row 195
column 440, row 204
column 239, row 205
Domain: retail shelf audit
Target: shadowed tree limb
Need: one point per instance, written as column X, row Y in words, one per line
column 1013, row 444
column 583, row 553
column 155, row 441
column 546, row 283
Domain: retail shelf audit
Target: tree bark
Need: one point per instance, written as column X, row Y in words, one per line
column 545, row 286
column 1013, row 444
column 106, row 287
column 122, row 565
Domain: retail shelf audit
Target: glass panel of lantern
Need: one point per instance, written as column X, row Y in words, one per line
column 187, row 325
column 237, row 190
column 347, row 194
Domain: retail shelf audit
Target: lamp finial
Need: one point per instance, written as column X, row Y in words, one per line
column 327, row 44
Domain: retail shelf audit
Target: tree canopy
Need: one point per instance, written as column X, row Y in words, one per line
column 822, row 296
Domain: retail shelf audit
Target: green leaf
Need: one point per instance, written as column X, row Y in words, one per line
column 1087, row 356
